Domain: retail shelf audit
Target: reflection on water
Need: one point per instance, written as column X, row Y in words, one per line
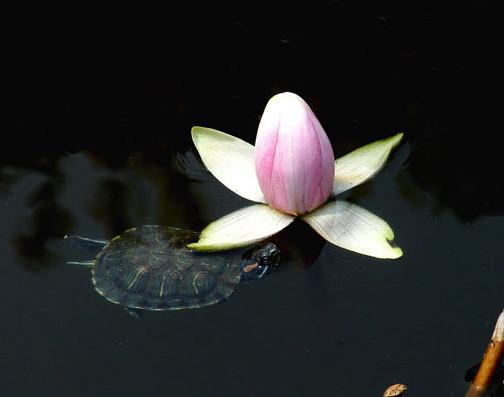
column 84, row 192
column 48, row 220
column 110, row 204
column 80, row 192
column 91, row 190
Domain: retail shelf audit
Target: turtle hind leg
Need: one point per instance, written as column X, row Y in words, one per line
column 87, row 243
column 90, row 245
column 82, row 263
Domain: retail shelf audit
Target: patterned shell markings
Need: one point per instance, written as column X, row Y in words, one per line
column 148, row 268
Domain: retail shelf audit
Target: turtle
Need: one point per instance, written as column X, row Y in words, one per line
column 149, row 267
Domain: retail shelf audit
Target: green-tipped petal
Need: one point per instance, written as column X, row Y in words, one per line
column 354, row 228
column 243, row 227
column 230, row 160
column 363, row 163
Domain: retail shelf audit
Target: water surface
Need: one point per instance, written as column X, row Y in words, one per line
column 329, row 319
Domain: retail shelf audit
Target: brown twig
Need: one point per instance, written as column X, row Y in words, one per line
column 491, row 360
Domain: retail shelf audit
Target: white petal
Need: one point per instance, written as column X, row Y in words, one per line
column 230, row 160
column 354, row 228
column 243, row 227
column 363, row 163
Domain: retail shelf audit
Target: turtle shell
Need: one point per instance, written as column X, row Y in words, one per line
column 148, row 267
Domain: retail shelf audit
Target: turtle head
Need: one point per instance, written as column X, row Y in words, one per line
column 260, row 263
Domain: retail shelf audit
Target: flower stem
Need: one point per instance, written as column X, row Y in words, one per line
column 491, row 359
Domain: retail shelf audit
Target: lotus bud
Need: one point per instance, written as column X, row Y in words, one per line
column 294, row 159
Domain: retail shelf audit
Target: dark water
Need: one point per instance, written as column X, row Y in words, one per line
column 99, row 103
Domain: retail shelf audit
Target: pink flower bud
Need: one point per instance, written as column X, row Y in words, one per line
column 294, row 159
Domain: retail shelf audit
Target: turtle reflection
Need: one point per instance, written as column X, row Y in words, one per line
column 148, row 267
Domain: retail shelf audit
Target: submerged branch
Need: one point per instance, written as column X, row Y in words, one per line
column 491, row 360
